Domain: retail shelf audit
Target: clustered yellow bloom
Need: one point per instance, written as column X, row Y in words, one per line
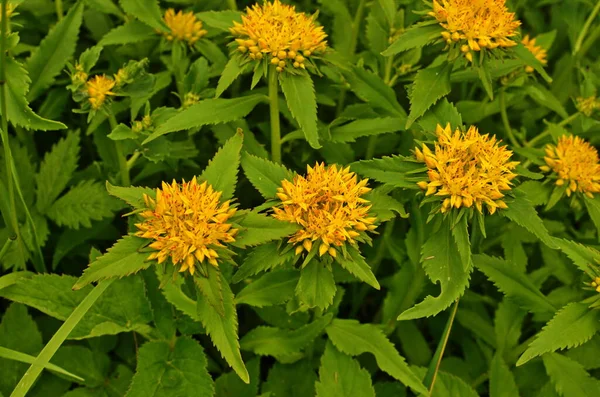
column 596, row 284
column 98, row 88
column 327, row 204
column 278, row 31
column 539, row 52
column 183, row 26
column 575, row 163
column 588, row 105
column 476, row 24
column 187, row 222
column 467, row 169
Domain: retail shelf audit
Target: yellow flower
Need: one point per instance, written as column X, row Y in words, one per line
column 588, row 105
column 277, row 31
column 79, row 75
column 575, row 163
column 188, row 223
column 98, row 88
column 184, row 27
column 467, row 169
column 596, row 284
column 327, row 204
column 539, row 52
column 476, row 24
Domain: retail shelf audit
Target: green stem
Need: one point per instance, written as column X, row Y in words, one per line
column 591, row 39
column 133, row 159
column 371, row 146
column 586, row 28
column 434, row 366
column 5, row 247
column 544, row 134
column 58, row 339
column 232, row 4
column 123, row 165
column 275, row 122
column 507, row 128
column 387, row 77
column 59, row 9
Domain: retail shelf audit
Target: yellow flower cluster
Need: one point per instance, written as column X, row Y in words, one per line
column 277, row 31
column 183, row 26
column 539, row 52
column 327, row 204
column 596, row 284
column 467, row 169
column 575, row 163
column 588, row 105
column 187, row 222
column 98, row 88
column 476, row 24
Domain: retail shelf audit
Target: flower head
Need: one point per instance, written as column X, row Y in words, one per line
column 588, row 105
column 183, row 26
column 188, row 223
column 281, row 34
column 466, row 169
column 575, row 165
column 595, row 284
column 476, row 24
column 98, row 88
column 327, row 204
column 538, row 51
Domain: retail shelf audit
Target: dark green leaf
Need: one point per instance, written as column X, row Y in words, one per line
column 257, row 229
column 261, row 258
column 356, row 265
column 84, row 203
column 430, row 85
column 316, row 287
column 132, row 32
column 266, row 176
column 569, row 377
column 415, row 37
column 221, row 172
column 366, row 127
column 271, row 289
column 146, row 11
column 301, row 99
column 134, row 196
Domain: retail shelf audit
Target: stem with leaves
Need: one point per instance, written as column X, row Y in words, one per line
column 123, row 164
column 586, row 28
column 274, row 108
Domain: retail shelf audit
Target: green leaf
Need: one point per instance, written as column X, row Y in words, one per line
column 266, row 176
column 223, row 330
column 569, row 377
column 271, row 289
column 146, row 11
column 208, row 111
column 210, row 288
column 515, row 285
column 355, row 264
column 341, row 376
column 295, row 380
column 232, row 71
column 372, row 89
column 230, row 385
column 221, row 20
column 393, row 170
column 56, row 170
column 129, row 33
column 460, row 232
column 123, row 259
column 366, row 127
column 134, row 196
column 384, row 207
column 282, row 343
column 593, row 208
column 502, row 381
column 530, row 60
column 50, row 58
column 442, row 113
column 92, row 366
column 316, row 287
column 353, row 338
column 442, row 262
column 162, row 310
column 221, row 172
column 301, row 99
column 580, row 254
column 81, row 205
column 175, row 370
column 257, row 229
column 262, row 258
column 486, row 79
column 27, row 359
column 573, row 325
column 430, row 85
column 546, row 98
column 338, row 10
column 415, row 37
column 448, row 385
column 175, row 296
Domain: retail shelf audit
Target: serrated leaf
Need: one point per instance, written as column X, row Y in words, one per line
column 442, row 113
column 341, row 376
column 502, row 381
column 442, row 263
column 299, row 92
column 366, row 127
column 122, row 259
column 546, row 98
column 415, row 37
column 356, row 265
column 56, row 170
column 146, row 11
column 393, row 170
column 593, row 208
column 266, row 176
column 270, row 341
column 372, row 89
column 233, row 69
column 460, row 232
column 221, row 172
column 176, row 297
column 271, row 289
column 316, row 287
column 177, row 370
column 162, row 311
column 257, row 229
column 569, row 377
column 338, row 10
column 353, row 338
column 293, row 380
column 210, row 288
column 529, row 59
column 580, row 254
column 50, row 58
column 134, row 196
column 384, row 207
column 223, row 330
column 486, row 79
column 81, row 205
column 430, row 85
column 221, row 20
column 572, row 326
column 129, row 33
column 27, row 359
column 262, row 258
column 208, row 111
column 229, row 385
column 448, row 385
column 513, row 284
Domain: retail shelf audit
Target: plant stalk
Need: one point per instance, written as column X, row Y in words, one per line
column 123, row 165
column 544, row 134
column 586, row 28
column 232, row 4
column 59, row 9
column 275, row 122
column 504, row 114
column 5, row 247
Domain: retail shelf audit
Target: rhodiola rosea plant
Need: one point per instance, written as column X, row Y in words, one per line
column 299, row 198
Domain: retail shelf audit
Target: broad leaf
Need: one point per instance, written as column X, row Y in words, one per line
column 356, row 265
column 271, row 289
column 366, row 127
column 373, row 90
column 448, row 385
column 301, row 99
column 394, row 170
column 460, row 232
column 262, row 258
column 415, row 37
column 593, row 208
column 442, row 113
column 502, row 381
column 569, row 377
column 210, row 288
column 84, row 203
column 134, row 196
column 146, row 11
column 257, row 229
column 129, row 33
column 232, row 71
column 266, row 176
column 221, row 172
column 430, row 85
column 316, row 287
column 529, row 59
column 230, row 385
column 580, row 254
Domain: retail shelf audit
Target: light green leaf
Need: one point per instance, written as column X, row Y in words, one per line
column 232, row 71
column 262, row 258
column 301, row 99
column 146, row 11
column 430, row 85
column 221, row 20
column 353, row 338
column 211, row 289
column 257, row 229
column 356, row 265
column 50, row 58
column 316, row 287
column 569, row 377
column 372, row 89
column 515, row 285
column 129, row 33
column 208, row 111
column 221, row 172
column 177, row 370
column 502, row 381
column 573, row 325
column 530, row 60
column 580, row 254
column 415, row 37
column 223, row 330
column 134, row 196
column 84, row 203
column 266, row 176
column 271, row 289
column 366, row 127
column 175, row 296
